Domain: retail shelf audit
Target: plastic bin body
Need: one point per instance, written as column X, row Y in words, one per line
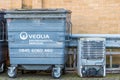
column 38, row 39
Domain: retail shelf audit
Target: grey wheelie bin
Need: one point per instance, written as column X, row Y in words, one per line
column 38, row 40
column 2, row 41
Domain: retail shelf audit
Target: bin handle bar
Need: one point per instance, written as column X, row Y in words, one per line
column 70, row 24
column 70, row 29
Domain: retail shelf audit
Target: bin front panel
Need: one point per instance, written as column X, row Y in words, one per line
column 36, row 25
column 36, row 37
column 44, row 42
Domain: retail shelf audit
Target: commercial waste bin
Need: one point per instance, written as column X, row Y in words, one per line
column 38, row 39
column 2, row 41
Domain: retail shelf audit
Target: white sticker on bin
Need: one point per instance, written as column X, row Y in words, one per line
column 35, row 50
column 25, row 35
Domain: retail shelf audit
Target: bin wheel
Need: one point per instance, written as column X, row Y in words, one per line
column 2, row 68
column 12, row 72
column 56, row 73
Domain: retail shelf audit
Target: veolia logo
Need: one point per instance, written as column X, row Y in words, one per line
column 25, row 35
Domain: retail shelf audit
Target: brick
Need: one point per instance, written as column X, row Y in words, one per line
column 10, row 4
column 27, row 4
column 16, row 4
column 36, row 4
